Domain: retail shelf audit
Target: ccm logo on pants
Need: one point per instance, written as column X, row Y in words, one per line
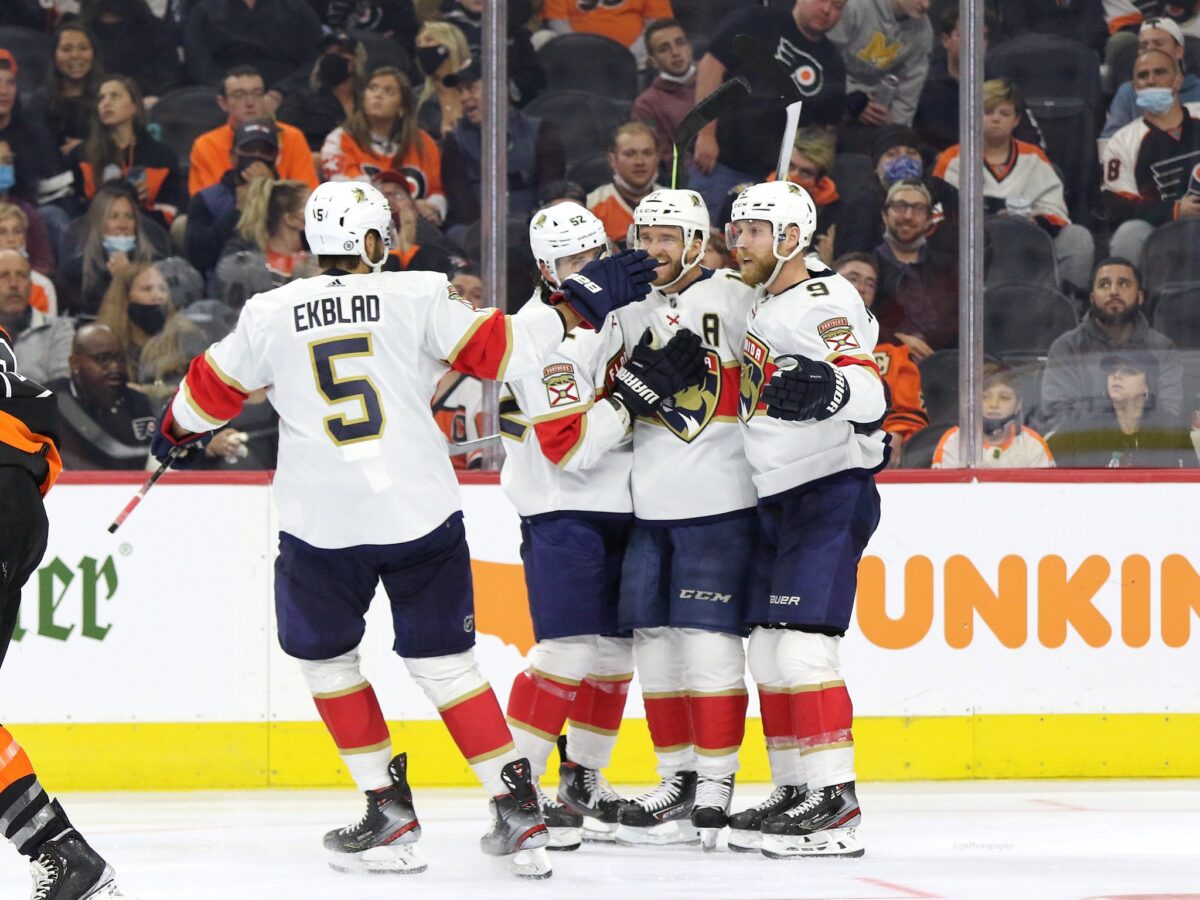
column 705, row 595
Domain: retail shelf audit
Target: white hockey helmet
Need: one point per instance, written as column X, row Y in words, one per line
column 683, row 209
column 781, row 203
column 564, row 229
column 338, row 216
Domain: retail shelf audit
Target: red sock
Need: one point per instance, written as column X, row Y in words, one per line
column 477, row 725
column 600, row 704
column 718, row 721
column 822, row 717
column 354, row 719
column 539, row 703
column 776, row 719
column 669, row 720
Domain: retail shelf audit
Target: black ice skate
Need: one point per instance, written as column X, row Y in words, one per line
column 518, row 829
column 745, row 827
column 662, row 816
column 565, row 826
column 67, row 868
column 711, row 811
column 825, row 824
column 382, row 841
column 585, row 792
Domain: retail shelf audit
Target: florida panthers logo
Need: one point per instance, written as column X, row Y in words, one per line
column 360, row 196
column 689, row 412
column 754, row 375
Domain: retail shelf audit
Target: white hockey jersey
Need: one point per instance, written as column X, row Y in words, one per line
column 567, row 448
column 1027, row 174
column 1023, row 450
column 820, row 318
column 689, row 461
column 349, row 363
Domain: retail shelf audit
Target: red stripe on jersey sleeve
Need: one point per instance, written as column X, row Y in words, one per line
column 559, row 437
column 856, row 361
column 216, row 398
column 486, row 350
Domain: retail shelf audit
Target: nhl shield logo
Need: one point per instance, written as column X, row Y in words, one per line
column 689, row 412
column 469, row 623
column 754, row 376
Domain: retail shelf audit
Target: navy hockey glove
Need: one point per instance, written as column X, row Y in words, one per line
column 650, row 376
column 184, row 453
column 805, row 389
column 607, row 284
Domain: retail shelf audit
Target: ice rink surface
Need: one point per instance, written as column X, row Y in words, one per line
column 963, row 840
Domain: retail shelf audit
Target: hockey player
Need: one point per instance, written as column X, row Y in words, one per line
column 366, row 493
column 63, row 864
column 567, row 473
column 811, row 404
column 684, row 577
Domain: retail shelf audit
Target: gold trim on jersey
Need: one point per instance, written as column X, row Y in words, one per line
column 627, row 676
column 195, row 407
column 536, row 732
column 223, row 375
column 333, row 695
column 606, row 732
column 466, row 338
column 838, row 745
column 491, row 754
column 463, row 698
column 513, row 424
column 374, row 748
column 557, row 679
column 508, row 347
column 583, row 426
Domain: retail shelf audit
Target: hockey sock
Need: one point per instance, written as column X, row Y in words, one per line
column 28, row 818
column 595, row 719
column 471, row 712
column 717, row 697
column 822, row 714
column 783, row 753
column 664, row 694
column 350, row 710
column 537, row 710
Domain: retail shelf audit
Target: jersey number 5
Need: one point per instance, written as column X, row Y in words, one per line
column 341, row 428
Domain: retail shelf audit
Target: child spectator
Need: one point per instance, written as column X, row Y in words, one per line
column 1019, row 180
column 382, row 133
column 1007, row 443
column 118, row 147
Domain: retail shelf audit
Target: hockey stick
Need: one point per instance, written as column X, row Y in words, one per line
column 464, row 447
column 725, row 98
column 150, row 482
column 755, row 57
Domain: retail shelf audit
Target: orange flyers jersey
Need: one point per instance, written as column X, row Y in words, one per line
column 689, row 461
column 607, row 205
column 906, row 414
column 458, row 410
column 821, row 318
column 567, row 448
column 621, row 20
column 342, row 159
column 350, row 363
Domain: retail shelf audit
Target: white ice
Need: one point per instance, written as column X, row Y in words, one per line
column 963, row 840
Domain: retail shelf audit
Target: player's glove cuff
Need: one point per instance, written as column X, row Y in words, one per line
column 184, row 453
column 805, row 389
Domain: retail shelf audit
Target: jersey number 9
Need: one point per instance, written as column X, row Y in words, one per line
column 341, row 428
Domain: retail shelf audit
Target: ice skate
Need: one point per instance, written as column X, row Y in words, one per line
column 662, row 816
column 745, row 827
column 585, row 792
column 711, row 811
column 825, row 824
column 518, row 830
column 67, row 868
column 382, row 841
column 565, row 825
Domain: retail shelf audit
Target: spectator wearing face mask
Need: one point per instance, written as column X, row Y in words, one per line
column 525, row 76
column 37, row 239
column 1154, row 34
column 441, row 51
column 41, row 176
column 214, row 212
column 673, row 92
column 328, row 98
column 115, row 236
column 14, row 231
column 1008, row 443
column 136, row 307
column 407, row 253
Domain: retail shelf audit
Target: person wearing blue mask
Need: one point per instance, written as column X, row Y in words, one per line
column 1155, row 34
column 38, row 246
column 1146, row 163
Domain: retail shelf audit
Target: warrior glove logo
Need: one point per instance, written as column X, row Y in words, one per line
column 638, row 386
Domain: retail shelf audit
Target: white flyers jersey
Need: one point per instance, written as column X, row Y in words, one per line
column 821, row 318
column 567, row 448
column 349, row 363
column 688, row 460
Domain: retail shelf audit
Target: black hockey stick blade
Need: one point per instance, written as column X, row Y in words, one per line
column 726, row 98
column 759, row 60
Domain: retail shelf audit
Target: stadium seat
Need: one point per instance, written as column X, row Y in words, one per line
column 33, row 52
column 590, row 172
column 1177, row 315
column 919, row 448
column 1170, row 259
column 1060, row 81
column 939, row 385
column 182, row 115
column 609, row 70
column 1017, row 250
column 1024, row 318
column 585, row 122
column 382, row 51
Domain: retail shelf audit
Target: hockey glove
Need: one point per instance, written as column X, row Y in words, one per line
column 607, row 284
column 650, row 376
column 805, row 389
column 184, row 453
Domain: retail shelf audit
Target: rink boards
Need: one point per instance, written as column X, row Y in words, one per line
column 1005, row 629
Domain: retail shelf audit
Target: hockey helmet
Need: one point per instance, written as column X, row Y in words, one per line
column 781, row 203
column 564, row 230
column 682, row 209
column 338, row 216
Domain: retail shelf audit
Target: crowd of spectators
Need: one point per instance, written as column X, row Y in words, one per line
column 156, row 155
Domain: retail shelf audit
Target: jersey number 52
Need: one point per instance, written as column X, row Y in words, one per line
column 341, row 428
